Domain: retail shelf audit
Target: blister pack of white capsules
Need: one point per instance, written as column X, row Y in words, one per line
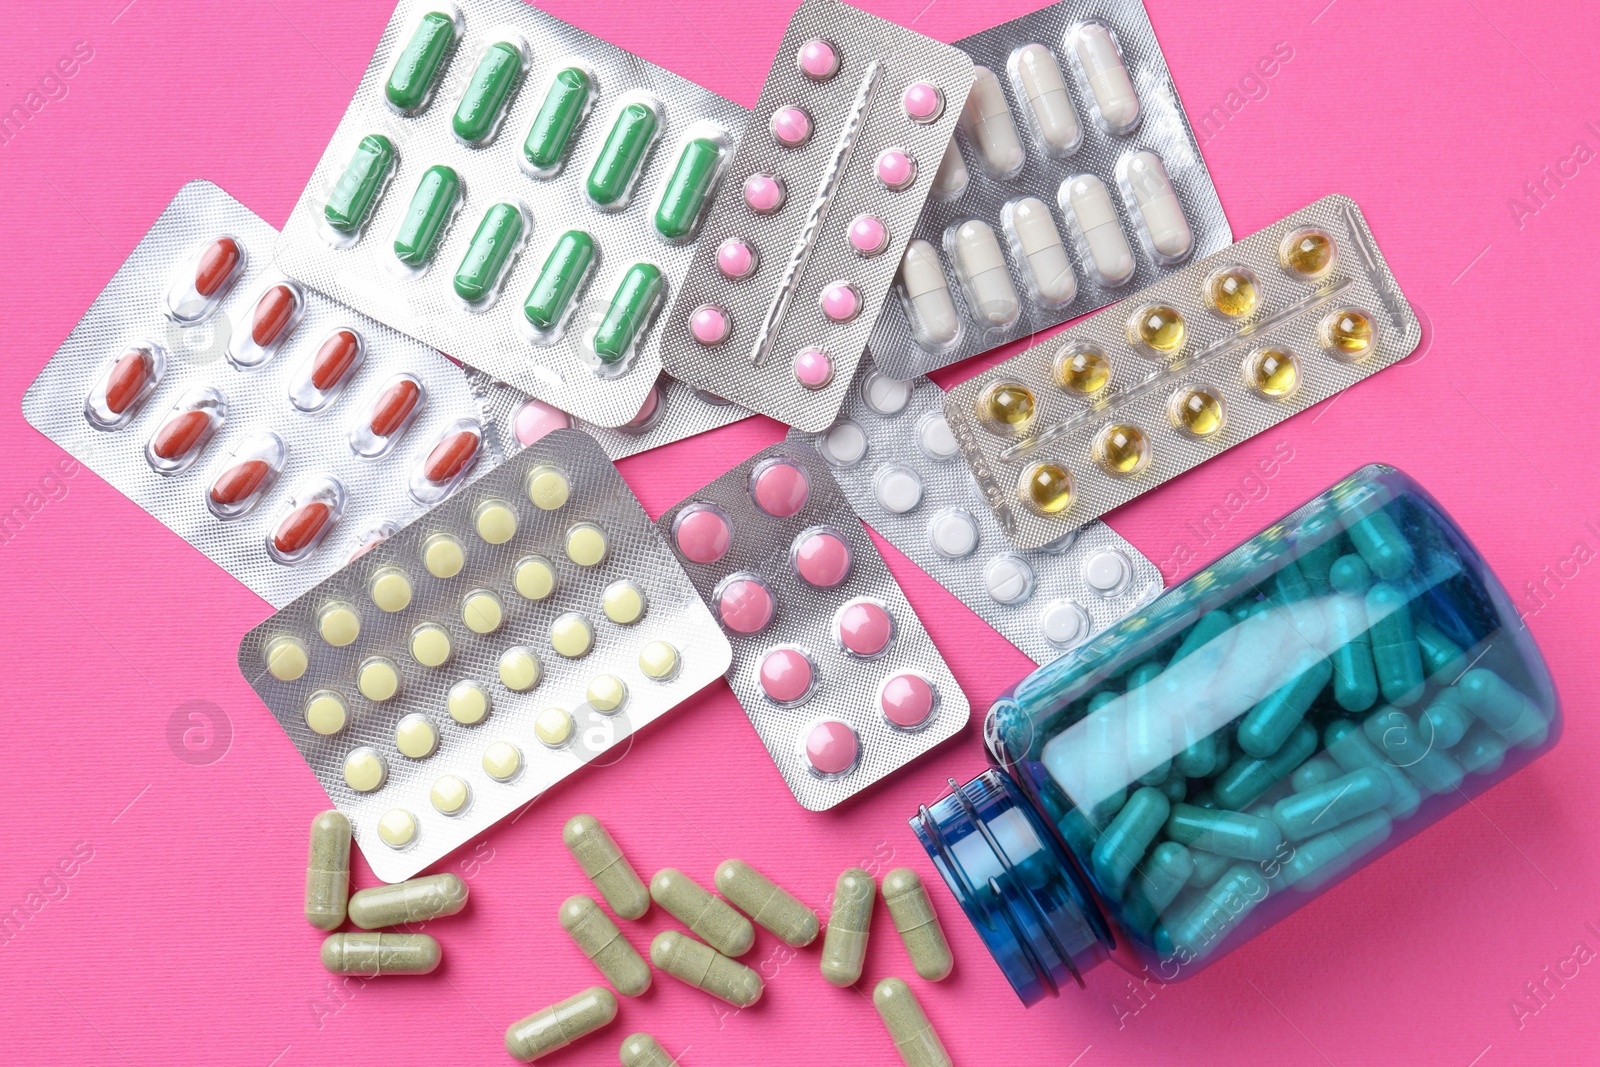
column 488, row 650
column 835, row 671
column 1074, row 179
column 799, row 251
column 1226, row 347
column 896, row 460
column 275, row 430
column 518, row 193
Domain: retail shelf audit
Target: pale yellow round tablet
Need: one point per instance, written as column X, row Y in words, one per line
column 326, row 712
column 496, row 523
column 286, row 658
column 624, row 603
column 415, row 736
column 481, row 611
column 553, row 727
column 502, row 761
column 430, row 645
column 586, row 544
column 658, row 660
column 391, row 589
column 467, row 703
column 606, row 693
column 339, row 624
column 450, row 795
column 443, row 556
column 397, row 828
column 548, row 488
column 364, row 770
column 378, row 679
column 571, row 635
column 534, row 577
column 519, row 669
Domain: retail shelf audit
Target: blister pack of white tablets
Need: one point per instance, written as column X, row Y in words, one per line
column 1230, row 345
column 896, row 460
column 275, row 430
column 1074, row 179
column 483, row 653
column 832, row 666
column 800, row 249
column 518, row 193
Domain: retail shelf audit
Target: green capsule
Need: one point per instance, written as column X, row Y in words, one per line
column 700, row 965
column 598, row 938
column 919, row 927
column 1248, row 777
column 1395, row 735
column 1215, row 913
column 413, row 901
column 565, row 104
column 1332, row 803
column 1149, row 726
column 561, row 1024
column 1348, row 745
column 631, row 308
column 1268, row 725
column 1509, row 713
column 559, row 279
column 328, row 871
column 1227, row 833
column 1324, row 857
column 618, row 162
column 424, row 220
column 688, row 187
column 642, row 1050
column 1395, row 655
column 357, row 189
column 844, row 946
column 492, row 247
column 1382, row 545
column 1355, row 678
column 1204, row 757
column 1125, row 840
column 767, row 903
column 410, row 84
column 487, row 91
column 1313, row 772
column 1316, row 562
column 1444, row 722
column 1208, row 867
column 1442, row 658
column 370, row 955
column 1482, row 751
column 605, row 865
column 1161, row 876
column 1350, row 575
column 711, row 918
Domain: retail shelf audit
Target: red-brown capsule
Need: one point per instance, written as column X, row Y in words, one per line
column 180, row 435
column 334, row 359
column 450, row 456
column 218, row 264
column 237, row 482
column 126, row 379
column 392, row 408
column 273, row 312
column 300, row 527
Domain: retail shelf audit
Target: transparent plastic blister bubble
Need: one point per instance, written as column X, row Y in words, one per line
column 802, row 244
column 519, row 193
column 896, row 460
column 1177, row 373
column 494, row 646
column 1051, row 203
column 835, row 671
column 275, row 430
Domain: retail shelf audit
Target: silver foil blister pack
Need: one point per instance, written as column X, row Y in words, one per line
column 1041, row 210
column 1177, row 373
column 488, row 650
column 835, row 671
column 261, row 455
column 896, row 460
column 553, row 152
column 799, row 251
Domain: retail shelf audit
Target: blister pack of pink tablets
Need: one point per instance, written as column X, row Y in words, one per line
column 835, row 671
column 800, row 248
column 277, row 431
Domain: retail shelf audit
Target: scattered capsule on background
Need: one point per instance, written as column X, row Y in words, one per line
column 914, row 1037
column 483, row 101
column 1107, row 77
column 767, row 903
column 411, row 82
column 642, row 1050
column 617, row 163
column 706, row 916
column 604, row 864
column 561, row 1024
column 630, row 309
column 431, row 206
column 1100, row 228
column 356, row 192
column 705, row 968
column 565, row 104
column 687, row 188
column 1157, row 203
column 919, row 927
column 932, row 312
column 414, row 901
column 987, row 122
column 983, row 267
column 844, row 947
column 328, row 871
column 1054, row 117
column 1036, row 232
column 371, row 955
column 603, row 944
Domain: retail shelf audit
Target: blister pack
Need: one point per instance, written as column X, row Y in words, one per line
column 832, row 666
column 1073, row 138
column 273, row 429
column 799, row 251
column 488, row 650
column 1225, row 348
column 519, row 193
column 896, row 460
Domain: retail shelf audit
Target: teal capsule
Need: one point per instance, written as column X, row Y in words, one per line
column 493, row 245
column 1123, row 844
column 565, row 104
column 1482, row 751
column 559, row 279
column 1350, row 575
column 1205, row 756
column 1227, row 833
column 357, row 189
column 1215, row 913
column 1149, row 728
column 1174, row 788
column 478, row 113
column 1313, row 772
column 1444, row 722
column 688, row 187
column 1317, row 561
column 1248, row 777
column 1206, row 628
column 1442, row 659
column 1348, row 745
column 1333, row 803
column 424, row 220
column 1161, row 876
column 1268, row 725
column 1512, row 715
column 411, row 81
column 631, row 308
column 1078, row 832
column 1208, row 867
column 1289, row 583
column 1324, row 857
column 1383, row 546
column 1105, row 775
column 1355, row 677
column 1396, row 737
column 1395, row 655
column 624, row 148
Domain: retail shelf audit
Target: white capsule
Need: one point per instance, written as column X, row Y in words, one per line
column 1158, row 205
column 987, row 121
column 1054, row 117
column 1036, row 232
column 950, row 180
column 932, row 312
column 1097, row 221
column 983, row 267
column 1107, row 77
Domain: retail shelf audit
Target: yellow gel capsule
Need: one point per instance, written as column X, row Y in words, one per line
column 378, row 679
column 495, row 522
column 467, row 703
column 519, row 669
column 338, row 624
column 1347, row 333
column 364, row 770
column 571, row 635
column 450, row 795
column 1157, row 326
column 534, row 577
column 586, row 544
column 1272, row 372
column 1047, row 488
column 443, row 556
column 606, row 693
column 553, row 727
column 430, row 645
column 286, row 658
column 1309, row 253
column 1122, row 449
column 1232, row 291
column 390, row 589
column 659, row 661
column 326, row 712
column 844, row 946
column 1197, row 411
column 397, row 828
column 624, row 603
column 1082, row 370
column 1006, row 407
column 415, row 736
column 481, row 612
column 548, row 488
column 502, row 761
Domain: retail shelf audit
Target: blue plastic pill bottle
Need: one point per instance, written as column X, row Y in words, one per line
column 1181, row 782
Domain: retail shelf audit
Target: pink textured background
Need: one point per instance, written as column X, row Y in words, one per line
column 179, row 940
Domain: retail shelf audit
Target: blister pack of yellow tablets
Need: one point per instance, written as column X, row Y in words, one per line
column 484, row 652
column 1179, row 372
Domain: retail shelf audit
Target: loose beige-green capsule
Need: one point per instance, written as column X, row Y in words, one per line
column 593, row 931
column 370, row 955
column 705, row 915
column 844, row 949
column 913, row 1035
column 705, row 968
column 642, row 1050
column 561, row 1024
column 415, row 901
column 767, row 903
column 605, row 865
column 919, row 927
column 328, row 870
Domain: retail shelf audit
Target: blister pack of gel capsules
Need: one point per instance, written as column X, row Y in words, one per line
column 801, row 247
column 896, row 460
column 519, row 193
column 1226, row 347
column 275, row 430
column 1073, row 138
column 833, row 668
column 486, row 651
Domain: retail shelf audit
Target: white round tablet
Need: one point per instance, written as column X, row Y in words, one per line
column 954, row 533
column 1107, row 572
column 1063, row 623
column 935, row 438
column 1009, row 579
column 898, row 489
column 885, row 395
column 843, row 444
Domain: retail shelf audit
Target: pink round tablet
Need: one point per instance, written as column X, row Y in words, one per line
column 818, row 60
column 841, row 302
column 786, row 675
column 896, row 170
column 832, row 747
column 703, row 535
column 647, row 410
column 735, row 259
column 709, row 324
column 865, row 628
column 791, row 127
column 813, row 368
column 535, row 419
column 923, row 102
column 745, row 605
column 764, row 193
column 822, row 557
column 780, row 489
column 868, row 235
column 907, row 700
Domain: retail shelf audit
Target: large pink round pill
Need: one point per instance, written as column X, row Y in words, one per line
column 923, row 102
column 791, row 127
column 764, row 193
column 647, row 410
column 822, row 557
column 735, row 259
column 907, row 700
column 703, row 535
column 813, row 368
column 745, row 605
column 818, row 60
column 868, row 235
column 786, row 675
column 709, row 324
column 832, row 747
column 865, row 628
column 780, row 489
column 841, row 302
column 535, row 419
column 896, row 170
